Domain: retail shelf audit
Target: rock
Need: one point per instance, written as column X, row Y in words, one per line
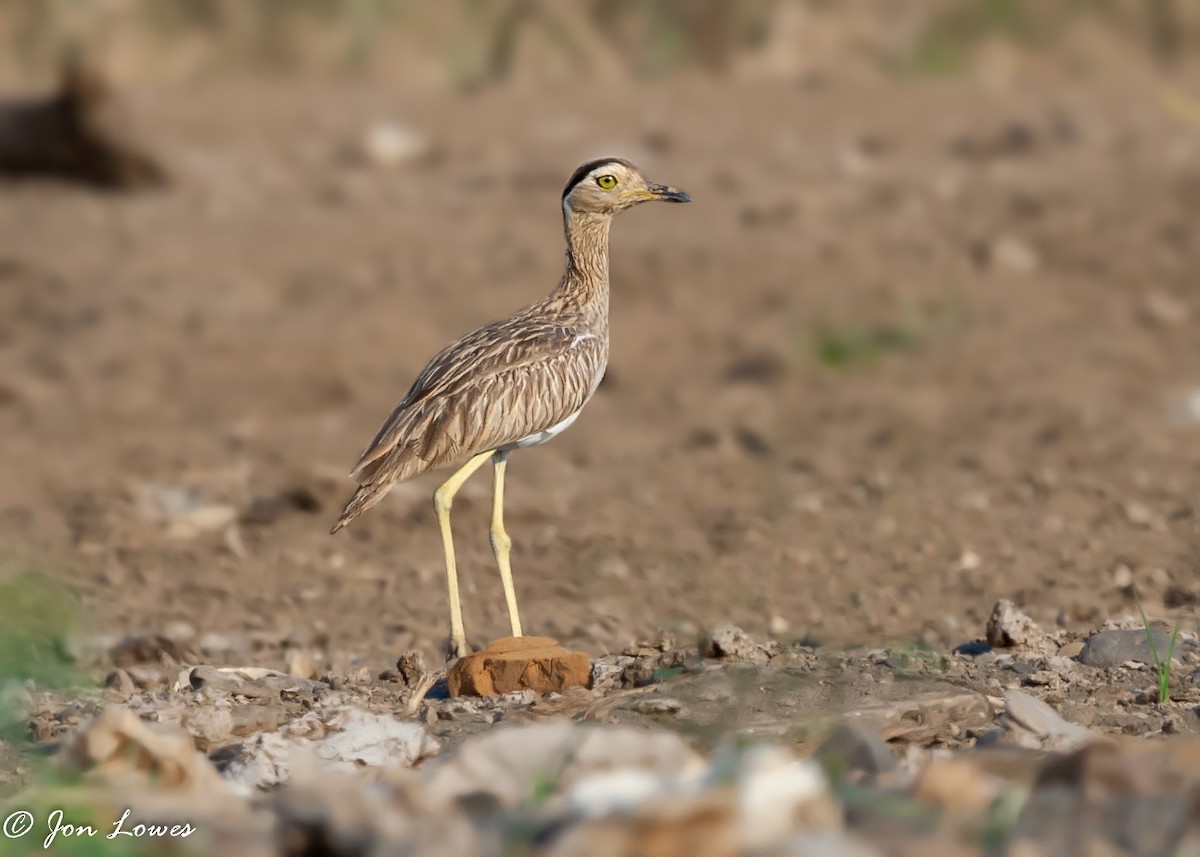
column 80, row 133
column 1187, row 411
column 335, row 815
column 120, row 682
column 338, row 740
column 1112, row 648
column 254, row 683
column 300, row 665
column 851, row 750
column 635, row 812
column 1013, row 254
column 1008, row 628
column 509, row 664
column 1033, row 723
column 374, row 739
column 1163, row 310
column 145, row 649
column 411, row 668
column 183, row 510
column 1118, row 792
column 1139, row 514
column 125, row 751
column 512, row 763
column 656, row 705
column 1071, row 650
column 955, row 785
column 926, row 716
column 388, row 144
column 776, row 792
column 807, row 844
column 695, row 825
column 620, row 790
column 732, row 643
column 1179, row 596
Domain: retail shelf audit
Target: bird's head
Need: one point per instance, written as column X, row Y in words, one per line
column 611, row 185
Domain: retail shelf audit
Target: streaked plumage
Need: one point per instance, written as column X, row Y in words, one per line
column 497, row 385
column 515, row 382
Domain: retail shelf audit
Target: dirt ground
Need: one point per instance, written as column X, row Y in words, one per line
column 914, row 347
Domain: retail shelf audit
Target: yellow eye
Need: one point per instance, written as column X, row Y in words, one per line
column 607, row 182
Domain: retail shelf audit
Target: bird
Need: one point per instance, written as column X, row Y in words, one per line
column 512, row 384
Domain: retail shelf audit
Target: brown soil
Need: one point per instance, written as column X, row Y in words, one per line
column 913, row 348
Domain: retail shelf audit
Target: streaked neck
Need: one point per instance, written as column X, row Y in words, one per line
column 586, row 279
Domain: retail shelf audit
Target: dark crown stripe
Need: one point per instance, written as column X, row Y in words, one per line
column 583, row 170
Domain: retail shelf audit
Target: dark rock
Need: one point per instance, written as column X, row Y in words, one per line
column 851, row 749
column 145, row 649
column 76, row 134
column 1111, row 648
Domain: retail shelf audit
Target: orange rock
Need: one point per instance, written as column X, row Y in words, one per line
column 539, row 664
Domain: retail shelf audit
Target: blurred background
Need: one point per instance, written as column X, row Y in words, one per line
column 926, row 338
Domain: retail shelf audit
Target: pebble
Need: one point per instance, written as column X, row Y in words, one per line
column 852, row 749
column 954, row 785
column 511, row 664
column 1008, row 627
column 659, row 705
column 1139, row 514
column 1112, row 648
column 1014, row 254
column 731, row 642
column 1071, row 650
column 1040, row 725
column 388, row 144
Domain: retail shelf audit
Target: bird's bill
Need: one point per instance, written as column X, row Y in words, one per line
column 666, row 194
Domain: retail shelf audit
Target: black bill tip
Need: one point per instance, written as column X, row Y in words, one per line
column 669, row 194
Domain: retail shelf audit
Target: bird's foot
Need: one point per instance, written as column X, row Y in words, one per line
column 456, row 649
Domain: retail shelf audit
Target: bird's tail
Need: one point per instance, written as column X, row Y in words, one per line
column 363, row 498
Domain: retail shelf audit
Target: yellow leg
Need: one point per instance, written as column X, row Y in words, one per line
column 443, row 499
column 501, row 543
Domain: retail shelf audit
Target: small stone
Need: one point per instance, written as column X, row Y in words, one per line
column 1041, row 725
column 1112, row 648
column 776, row 792
column 652, row 705
column 1008, row 628
column 1188, row 409
column 387, row 144
column 969, row 561
column 854, row 750
column 145, row 649
column 925, row 716
column 1122, row 576
column 120, row 682
column 731, row 642
column 1014, row 254
column 777, row 625
column 1071, row 650
column 300, row 665
column 411, row 668
column 1163, row 310
column 1178, row 596
column 955, row 786
column 614, row 568
column 509, row 664
column 1139, row 514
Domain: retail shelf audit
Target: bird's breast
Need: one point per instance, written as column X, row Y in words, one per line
column 544, row 435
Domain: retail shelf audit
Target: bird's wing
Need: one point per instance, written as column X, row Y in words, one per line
column 501, row 383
